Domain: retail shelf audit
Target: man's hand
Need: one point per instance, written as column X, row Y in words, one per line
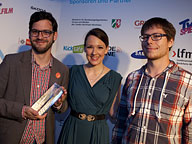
column 29, row 113
column 59, row 102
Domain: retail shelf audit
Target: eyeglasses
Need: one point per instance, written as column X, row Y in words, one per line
column 154, row 37
column 44, row 33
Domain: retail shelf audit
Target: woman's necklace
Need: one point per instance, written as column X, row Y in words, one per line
column 94, row 80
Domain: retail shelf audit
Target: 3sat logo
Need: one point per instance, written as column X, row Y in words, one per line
column 186, row 27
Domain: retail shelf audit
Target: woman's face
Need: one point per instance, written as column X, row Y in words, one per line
column 95, row 50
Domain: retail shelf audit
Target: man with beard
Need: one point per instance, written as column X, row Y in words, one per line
column 156, row 102
column 26, row 76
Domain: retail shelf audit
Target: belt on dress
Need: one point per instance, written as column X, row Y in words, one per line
column 83, row 116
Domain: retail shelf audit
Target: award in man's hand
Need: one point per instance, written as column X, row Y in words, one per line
column 48, row 99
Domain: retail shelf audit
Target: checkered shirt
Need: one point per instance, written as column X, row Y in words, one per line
column 155, row 110
column 35, row 129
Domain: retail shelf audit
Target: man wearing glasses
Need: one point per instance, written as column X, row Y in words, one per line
column 156, row 102
column 26, row 76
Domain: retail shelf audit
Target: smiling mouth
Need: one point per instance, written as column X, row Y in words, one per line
column 39, row 41
column 94, row 58
column 150, row 48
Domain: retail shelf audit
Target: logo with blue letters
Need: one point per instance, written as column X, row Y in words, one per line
column 186, row 27
column 138, row 55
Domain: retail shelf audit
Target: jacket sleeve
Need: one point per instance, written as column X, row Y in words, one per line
column 9, row 108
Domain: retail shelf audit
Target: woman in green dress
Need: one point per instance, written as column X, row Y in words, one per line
column 93, row 92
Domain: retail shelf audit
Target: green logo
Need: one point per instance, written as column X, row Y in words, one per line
column 78, row 49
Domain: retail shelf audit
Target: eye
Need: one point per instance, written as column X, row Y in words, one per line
column 47, row 32
column 145, row 37
column 100, row 47
column 89, row 46
column 156, row 35
column 34, row 31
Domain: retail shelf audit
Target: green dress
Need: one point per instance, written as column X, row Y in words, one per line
column 94, row 100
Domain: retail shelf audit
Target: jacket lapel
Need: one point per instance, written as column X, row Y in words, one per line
column 25, row 68
column 54, row 71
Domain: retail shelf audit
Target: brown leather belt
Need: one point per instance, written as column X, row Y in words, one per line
column 83, row 116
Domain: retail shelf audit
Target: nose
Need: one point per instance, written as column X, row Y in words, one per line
column 149, row 40
column 94, row 51
column 40, row 35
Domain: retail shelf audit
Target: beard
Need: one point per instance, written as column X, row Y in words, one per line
column 40, row 50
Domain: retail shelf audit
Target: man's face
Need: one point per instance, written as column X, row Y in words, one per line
column 156, row 49
column 42, row 41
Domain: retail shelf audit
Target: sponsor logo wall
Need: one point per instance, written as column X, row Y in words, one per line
column 121, row 19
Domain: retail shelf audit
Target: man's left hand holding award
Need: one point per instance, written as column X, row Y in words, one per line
column 55, row 96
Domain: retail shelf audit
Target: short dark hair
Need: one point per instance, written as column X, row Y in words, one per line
column 42, row 15
column 99, row 33
column 162, row 23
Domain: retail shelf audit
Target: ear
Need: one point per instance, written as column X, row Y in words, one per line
column 107, row 49
column 170, row 43
column 55, row 36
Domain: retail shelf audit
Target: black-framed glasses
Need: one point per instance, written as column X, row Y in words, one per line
column 154, row 37
column 44, row 33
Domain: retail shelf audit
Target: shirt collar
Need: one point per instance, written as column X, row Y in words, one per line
column 168, row 69
column 48, row 66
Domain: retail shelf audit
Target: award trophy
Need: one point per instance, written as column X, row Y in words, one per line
column 48, row 99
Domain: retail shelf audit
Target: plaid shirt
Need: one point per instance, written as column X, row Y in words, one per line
column 155, row 110
column 35, row 129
